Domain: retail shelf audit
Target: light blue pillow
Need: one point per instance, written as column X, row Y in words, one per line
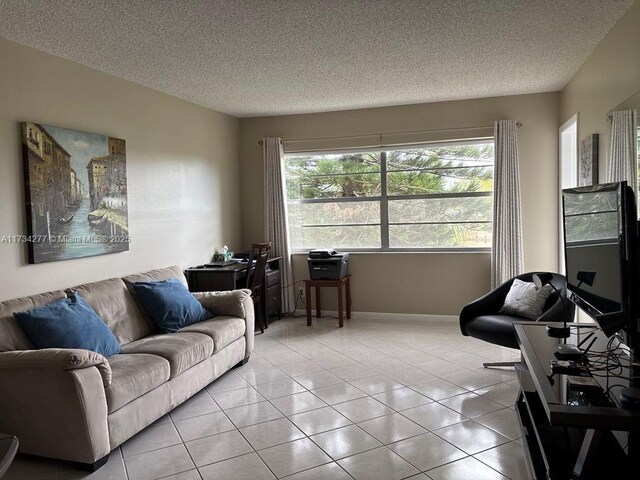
column 68, row 323
column 170, row 304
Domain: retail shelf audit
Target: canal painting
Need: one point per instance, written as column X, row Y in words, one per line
column 76, row 193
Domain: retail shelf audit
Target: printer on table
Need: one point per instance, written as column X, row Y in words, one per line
column 328, row 264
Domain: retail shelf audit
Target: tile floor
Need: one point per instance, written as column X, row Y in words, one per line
column 373, row 400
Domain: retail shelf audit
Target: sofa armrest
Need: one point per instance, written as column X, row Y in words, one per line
column 57, row 359
column 229, row 302
column 54, row 411
column 235, row 303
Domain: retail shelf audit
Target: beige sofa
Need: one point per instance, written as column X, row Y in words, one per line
column 78, row 405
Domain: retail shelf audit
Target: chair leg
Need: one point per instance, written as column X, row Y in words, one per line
column 259, row 314
column 499, row 364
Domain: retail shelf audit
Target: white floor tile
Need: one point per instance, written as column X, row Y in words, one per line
column 367, row 371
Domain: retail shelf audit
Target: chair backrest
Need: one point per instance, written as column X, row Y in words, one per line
column 255, row 271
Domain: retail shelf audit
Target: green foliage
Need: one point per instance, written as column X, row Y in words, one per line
column 454, row 170
column 333, row 176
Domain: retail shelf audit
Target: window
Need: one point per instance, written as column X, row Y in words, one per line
column 568, row 175
column 436, row 196
column 638, row 153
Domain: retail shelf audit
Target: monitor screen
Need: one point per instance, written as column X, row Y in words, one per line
column 595, row 251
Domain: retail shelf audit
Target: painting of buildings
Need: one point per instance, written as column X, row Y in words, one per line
column 76, row 193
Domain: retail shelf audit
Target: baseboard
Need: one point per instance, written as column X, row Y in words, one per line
column 395, row 317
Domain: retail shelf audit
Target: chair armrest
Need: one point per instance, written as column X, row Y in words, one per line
column 57, row 359
column 486, row 305
column 236, row 303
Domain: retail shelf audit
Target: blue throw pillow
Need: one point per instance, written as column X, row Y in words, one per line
column 170, row 304
column 68, row 323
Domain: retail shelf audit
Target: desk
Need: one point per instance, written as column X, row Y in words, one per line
column 567, row 429
column 234, row 277
column 338, row 284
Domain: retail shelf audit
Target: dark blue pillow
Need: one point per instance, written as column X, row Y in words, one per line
column 170, row 304
column 68, row 323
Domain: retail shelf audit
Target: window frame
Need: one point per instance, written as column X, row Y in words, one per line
column 384, row 198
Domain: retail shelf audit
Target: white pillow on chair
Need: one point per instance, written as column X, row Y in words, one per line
column 525, row 299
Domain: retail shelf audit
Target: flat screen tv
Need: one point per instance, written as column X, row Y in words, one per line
column 601, row 241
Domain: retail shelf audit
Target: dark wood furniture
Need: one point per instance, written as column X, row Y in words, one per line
column 256, row 269
column 8, row 449
column 338, row 284
column 568, row 429
column 273, row 289
column 214, row 279
column 233, row 277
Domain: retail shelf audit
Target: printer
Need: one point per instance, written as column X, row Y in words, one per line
column 328, row 264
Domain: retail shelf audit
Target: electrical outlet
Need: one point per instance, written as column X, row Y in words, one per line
column 300, row 292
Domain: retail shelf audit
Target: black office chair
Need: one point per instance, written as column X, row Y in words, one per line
column 255, row 277
column 481, row 318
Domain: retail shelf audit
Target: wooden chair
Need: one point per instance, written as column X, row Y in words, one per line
column 255, row 277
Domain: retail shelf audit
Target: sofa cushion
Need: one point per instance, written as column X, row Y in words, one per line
column 170, row 304
column 181, row 350
column 133, row 376
column 114, row 304
column 222, row 330
column 68, row 323
column 12, row 337
column 156, row 275
column 496, row 329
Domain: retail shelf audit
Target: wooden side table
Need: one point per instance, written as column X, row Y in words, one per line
column 8, row 449
column 338, row 284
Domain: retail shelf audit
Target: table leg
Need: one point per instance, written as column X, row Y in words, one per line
column 340, row 322
column 348, row 293
column 587, row 451
column 307, row 300
column 318, row 302
column 263, row 304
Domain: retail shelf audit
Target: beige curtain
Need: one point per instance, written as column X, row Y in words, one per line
column 276, row 226
column 623, row 157
column 506, row 251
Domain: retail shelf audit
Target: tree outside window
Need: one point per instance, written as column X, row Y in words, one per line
column 435, row 196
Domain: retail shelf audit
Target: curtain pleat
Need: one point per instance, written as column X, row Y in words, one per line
column 276, row 226
column 506, row 252
column 623, row 159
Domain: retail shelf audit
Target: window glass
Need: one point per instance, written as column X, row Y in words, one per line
column 428, row 197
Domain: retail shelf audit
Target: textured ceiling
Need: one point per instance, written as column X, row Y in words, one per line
column 253, row 57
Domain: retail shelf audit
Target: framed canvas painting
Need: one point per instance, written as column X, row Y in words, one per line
column 588, row 161
column 76, row 193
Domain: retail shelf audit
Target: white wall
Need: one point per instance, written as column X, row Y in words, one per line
column 433, row 283
column 609, row 79
column 183, row 178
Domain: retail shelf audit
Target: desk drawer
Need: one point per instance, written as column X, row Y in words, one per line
column 273, row 278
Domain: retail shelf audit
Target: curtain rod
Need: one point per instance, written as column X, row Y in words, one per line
column 518, row 124
column 610, row 112
column 261, row 142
